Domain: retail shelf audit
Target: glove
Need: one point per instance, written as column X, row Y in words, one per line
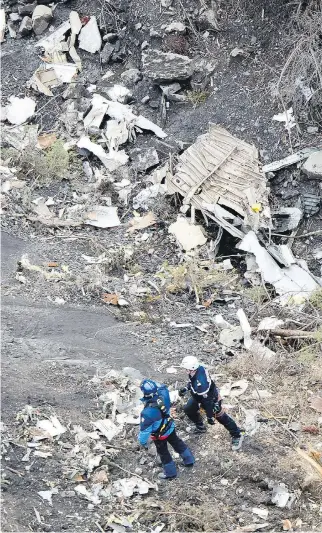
column 217, row 407
column 210, row 421
column 183, row 391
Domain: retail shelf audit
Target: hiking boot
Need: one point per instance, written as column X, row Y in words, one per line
column 164, row 476
column 200, row 429
column 236, row 442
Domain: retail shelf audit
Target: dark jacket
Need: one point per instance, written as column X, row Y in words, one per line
column 204, row 390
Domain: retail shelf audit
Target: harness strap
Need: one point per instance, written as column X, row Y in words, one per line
column 166, row 419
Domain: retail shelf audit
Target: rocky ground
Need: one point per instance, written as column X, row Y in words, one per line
column 79, row 301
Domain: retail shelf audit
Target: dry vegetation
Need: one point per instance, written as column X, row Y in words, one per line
column 300, row 81
column 42, row 167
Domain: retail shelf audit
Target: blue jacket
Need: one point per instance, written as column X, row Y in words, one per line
column 203, row 389
column 152, row 418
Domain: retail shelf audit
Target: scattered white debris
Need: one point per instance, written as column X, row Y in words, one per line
column 229, row 336
column 174, row 396
column 286, row 117
column 90, row 38
column 43, row 455
column 251, row 423
column 289, row 160
column 122, row 112
column 26, row 457
column 269, row 322
column 48, row 494
column 90, row 496
column 293, row 284
column 245, row 325
column 142, row 199
column 175, row 27
column 119, row 93
column 188, row 235
column 280, row 495
column 20, row 109
column 126, row 487
column 75, row 22
column 111, row 160
column 50, row 428
column 237, row 52
column 142, row 222
column 221, row 322
column 103, row 217
column 52, row 43
column 107, row 428
column 262, row 513
column 171, row 370
column 2, row 25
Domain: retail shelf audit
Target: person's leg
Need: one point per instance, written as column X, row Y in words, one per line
column 193, row 413
column 236, row 434
column 180, row 447
column 169, row 467
column 228, row 423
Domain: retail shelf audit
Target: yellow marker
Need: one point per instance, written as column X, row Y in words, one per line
column 256, row 208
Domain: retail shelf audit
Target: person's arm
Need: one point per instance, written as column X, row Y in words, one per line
column 183, row 390
column 205, row 382
column 146, row 429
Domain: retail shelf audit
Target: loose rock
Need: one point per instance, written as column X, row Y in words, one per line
column 145, row 159
column 25, row 26
column 14, row 17
column 41, row 18
column 106, row 53
column 175, row 27
column 131, row 76
column 163, row 67
column 27, row 9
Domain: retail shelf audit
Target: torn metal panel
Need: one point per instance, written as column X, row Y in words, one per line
column 53, row 41
column 282, row 253
column 289, row 160
column 293, row 284
column 221, row 169
column 287, row 218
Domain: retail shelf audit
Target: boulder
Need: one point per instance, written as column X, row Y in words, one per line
column 313, row 165
column 41, row 19
column 163, row 67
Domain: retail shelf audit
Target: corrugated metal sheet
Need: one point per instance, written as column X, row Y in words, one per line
column 221, row 169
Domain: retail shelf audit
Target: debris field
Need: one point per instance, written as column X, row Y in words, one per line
column 161, row 168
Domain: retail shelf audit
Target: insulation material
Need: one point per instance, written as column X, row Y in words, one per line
column 221, row 169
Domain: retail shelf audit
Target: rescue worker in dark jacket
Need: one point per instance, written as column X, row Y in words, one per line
column 205, row 394
column 156, row 424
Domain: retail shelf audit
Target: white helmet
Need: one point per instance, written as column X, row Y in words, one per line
column 190, row 362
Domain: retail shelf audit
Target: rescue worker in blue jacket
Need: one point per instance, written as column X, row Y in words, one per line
column 156, row 424
column 205, row 394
